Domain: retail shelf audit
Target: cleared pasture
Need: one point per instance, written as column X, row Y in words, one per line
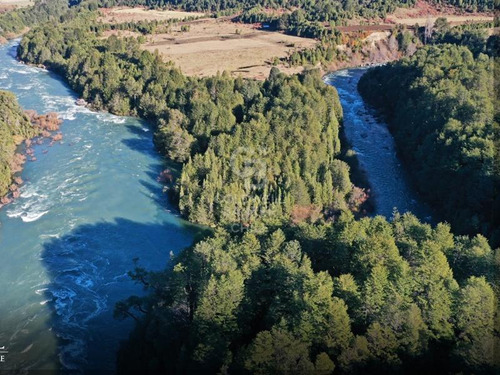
column 216, row 46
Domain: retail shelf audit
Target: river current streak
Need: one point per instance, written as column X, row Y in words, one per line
column 92, row 204
column 88, row 207
column 369, row 136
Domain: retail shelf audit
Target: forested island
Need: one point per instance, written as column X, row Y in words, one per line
column 293, row 277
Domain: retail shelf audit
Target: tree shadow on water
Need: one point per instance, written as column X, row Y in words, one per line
column 143, row 142
column 140, row 145
column 160, row 197
column 88, row 275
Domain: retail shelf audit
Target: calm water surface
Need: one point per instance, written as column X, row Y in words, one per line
column 88, row 207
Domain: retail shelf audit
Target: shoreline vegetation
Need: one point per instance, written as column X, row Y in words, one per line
column 290, row 280
column 444, row 119
column 19, row 131
column 219, row 109
column 18, row 21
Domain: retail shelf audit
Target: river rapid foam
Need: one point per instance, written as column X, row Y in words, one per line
column 89, row 206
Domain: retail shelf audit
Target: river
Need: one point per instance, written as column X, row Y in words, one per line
column 89, row 207
column 92, row 204
column 369, row 136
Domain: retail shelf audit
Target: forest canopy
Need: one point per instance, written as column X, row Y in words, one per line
column 249, row 148
column 13, row 22
column 442, row 107
column 348, row 297
column 290, row 281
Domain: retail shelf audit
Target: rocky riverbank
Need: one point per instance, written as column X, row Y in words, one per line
column 21, row 148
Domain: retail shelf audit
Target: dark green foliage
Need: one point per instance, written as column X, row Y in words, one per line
column 281, row 156
column 144, row 26
column 471, row 5
column 276, row 289
column 15, row 21
column 306, row 24
column 14, row 127
column 442, row 107
column 254, row 303
column 473, row 36
column 326, row 10
column 250, row 149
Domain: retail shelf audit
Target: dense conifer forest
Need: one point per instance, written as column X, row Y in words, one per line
column 289, row 125
column 13, row 22
column 349, row 297
column 290, row 280
column 442, row 106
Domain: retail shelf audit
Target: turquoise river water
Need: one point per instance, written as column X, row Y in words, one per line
column 92, row 204
column 88, row 207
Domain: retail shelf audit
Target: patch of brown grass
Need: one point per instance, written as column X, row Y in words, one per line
column 216, row 46
column 425, row 10
column 7, row 5
column 120, row 33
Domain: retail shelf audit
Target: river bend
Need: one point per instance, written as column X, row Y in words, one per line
column 92, row 204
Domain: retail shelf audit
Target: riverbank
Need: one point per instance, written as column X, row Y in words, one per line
column 86, row 209
column 359, row 176
column 11, row 36
column 372, row 153
column 21, row 146
column 379, row 48
column 462, row 186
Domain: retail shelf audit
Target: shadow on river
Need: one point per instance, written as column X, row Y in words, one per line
column 87, row 269
column 89, row 206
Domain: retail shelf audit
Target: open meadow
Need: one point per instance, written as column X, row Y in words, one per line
column 126, row 14
column 202, row 46
column 206, row 46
